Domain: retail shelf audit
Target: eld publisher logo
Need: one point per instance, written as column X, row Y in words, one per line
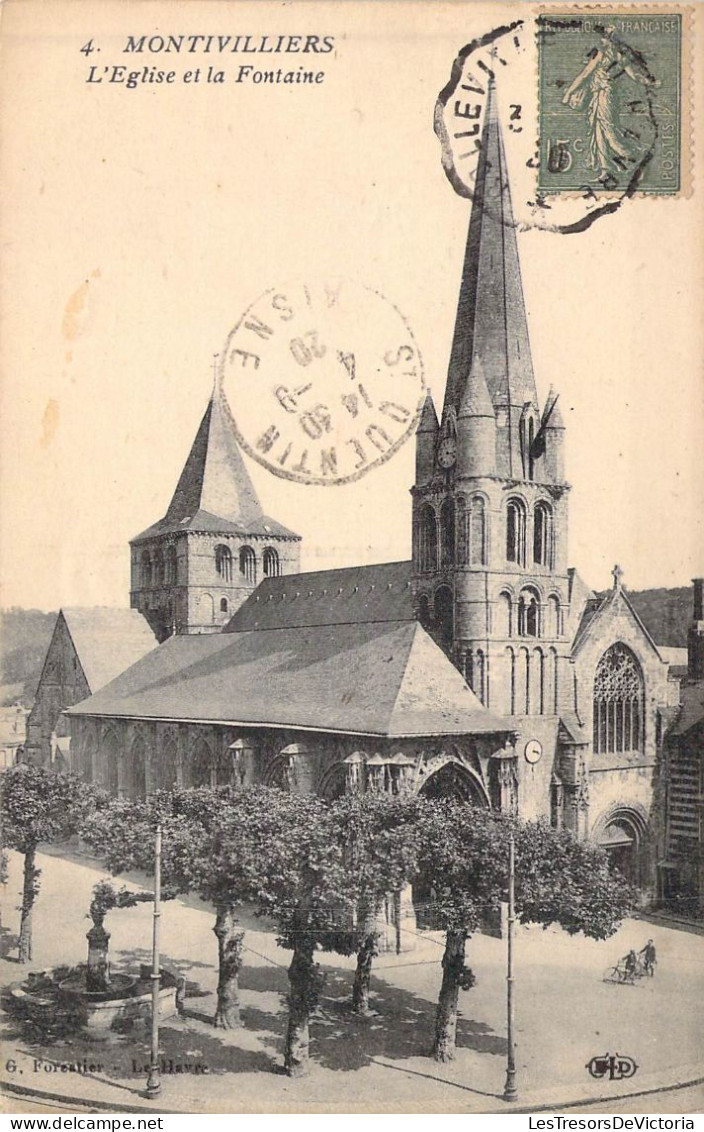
column 618, row 1067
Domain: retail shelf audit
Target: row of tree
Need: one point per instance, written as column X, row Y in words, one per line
column 322, row 873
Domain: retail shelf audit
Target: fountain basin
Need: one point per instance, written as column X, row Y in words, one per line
column 58, row 995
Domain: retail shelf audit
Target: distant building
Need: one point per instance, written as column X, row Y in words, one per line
column 13, row 722
column 88, row 648
column 682, row 869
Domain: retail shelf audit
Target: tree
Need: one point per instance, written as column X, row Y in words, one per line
column 208, row 837
column 378, row 836
column 40, row 806
column 463, row 859
column 304, row 887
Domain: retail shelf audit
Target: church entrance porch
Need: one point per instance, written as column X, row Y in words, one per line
column 623, row 834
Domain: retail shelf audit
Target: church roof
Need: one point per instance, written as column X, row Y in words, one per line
column 491, row 327
column 107, row 641
column 214, row 492
column 353, row 595
column 371, row 678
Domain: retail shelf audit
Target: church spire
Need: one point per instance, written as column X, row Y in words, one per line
column 214, row 477
column 490, row 328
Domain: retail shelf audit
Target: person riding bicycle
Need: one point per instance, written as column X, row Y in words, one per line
column 631, row 964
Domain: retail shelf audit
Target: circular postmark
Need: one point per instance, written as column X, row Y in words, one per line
column 587, row 106
column 323, row 381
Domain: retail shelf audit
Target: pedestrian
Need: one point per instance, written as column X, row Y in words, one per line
column 649, row 958
column 631, row 965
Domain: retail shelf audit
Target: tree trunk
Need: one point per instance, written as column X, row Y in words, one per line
column 446, row 1016
column 230, row 942
column 29, row 892
column 363, row 974
column 303, row 983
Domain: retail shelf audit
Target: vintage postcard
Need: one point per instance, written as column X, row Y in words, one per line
column 352, row 557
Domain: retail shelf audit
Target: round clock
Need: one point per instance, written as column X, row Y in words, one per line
column 447, row 452
column 533, row 751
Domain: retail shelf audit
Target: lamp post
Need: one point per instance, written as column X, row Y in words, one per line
column 510, row 1091
column 154, row 1080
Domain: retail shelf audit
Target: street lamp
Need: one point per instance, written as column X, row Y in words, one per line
column 154, row 1081
column 510, row 1091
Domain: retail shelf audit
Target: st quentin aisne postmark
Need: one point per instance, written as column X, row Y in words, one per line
column 323, row 381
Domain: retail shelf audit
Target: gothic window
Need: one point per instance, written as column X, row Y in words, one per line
column 170, row 565
column 444, row 615
column 528, row 614
column 248, row 564
column 270, row 561
column 136, row 777
column 618, row 702
column 516, row 532
column 201, row 764
column 478, row 532
column 146, row 568
column 159, row 574
column 223, row 605
column 479, row 684
column 542, row 535
column 503, row 616
column 552, row 627
column 428, row 539
column 447, row 531
column 223, row 562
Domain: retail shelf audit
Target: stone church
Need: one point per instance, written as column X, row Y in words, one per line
column 483, row 668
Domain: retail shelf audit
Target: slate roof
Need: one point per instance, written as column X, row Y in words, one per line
column 383, row 679
column 107, row 641
column 214, row 491
column 349, row 596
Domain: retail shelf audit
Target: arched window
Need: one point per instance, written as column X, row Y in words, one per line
column 538, row 695
column 146, row 568
column 201, row 764
column 552, row 682
column 462, row 519
column 478, row 532
column 527, row 436
column 618, row 702
column 270, row 562
column 552, row 619
column 503, row 626
column 248, row 564
column 167, row 764
column 516, row 532
column 171, row 567
column 523, row 682
column 511, row 665
column 479, row 685
column 428, row 539
column 447, row 530
column 542, row 535
column 223, row 562
column 136, row 777
column 223, row 605
column 528, row 614
column 444, row 615
column 159, row 567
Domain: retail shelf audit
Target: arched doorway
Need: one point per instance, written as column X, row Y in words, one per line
column 623, row 834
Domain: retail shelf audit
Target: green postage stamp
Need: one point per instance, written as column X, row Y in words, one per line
column 610, row 100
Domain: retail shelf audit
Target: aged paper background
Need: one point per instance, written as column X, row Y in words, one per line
column 138, row 224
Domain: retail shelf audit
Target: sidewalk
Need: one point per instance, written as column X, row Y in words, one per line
column 566, row 1015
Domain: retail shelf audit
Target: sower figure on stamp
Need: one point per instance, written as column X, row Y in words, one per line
column 609, row 148
column 649, row 958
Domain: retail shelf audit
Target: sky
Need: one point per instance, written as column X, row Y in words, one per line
column 138, row 225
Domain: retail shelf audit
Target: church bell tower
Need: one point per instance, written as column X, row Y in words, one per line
column 490, row 498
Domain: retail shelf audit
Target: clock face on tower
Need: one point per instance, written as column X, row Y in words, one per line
column 447, row 452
